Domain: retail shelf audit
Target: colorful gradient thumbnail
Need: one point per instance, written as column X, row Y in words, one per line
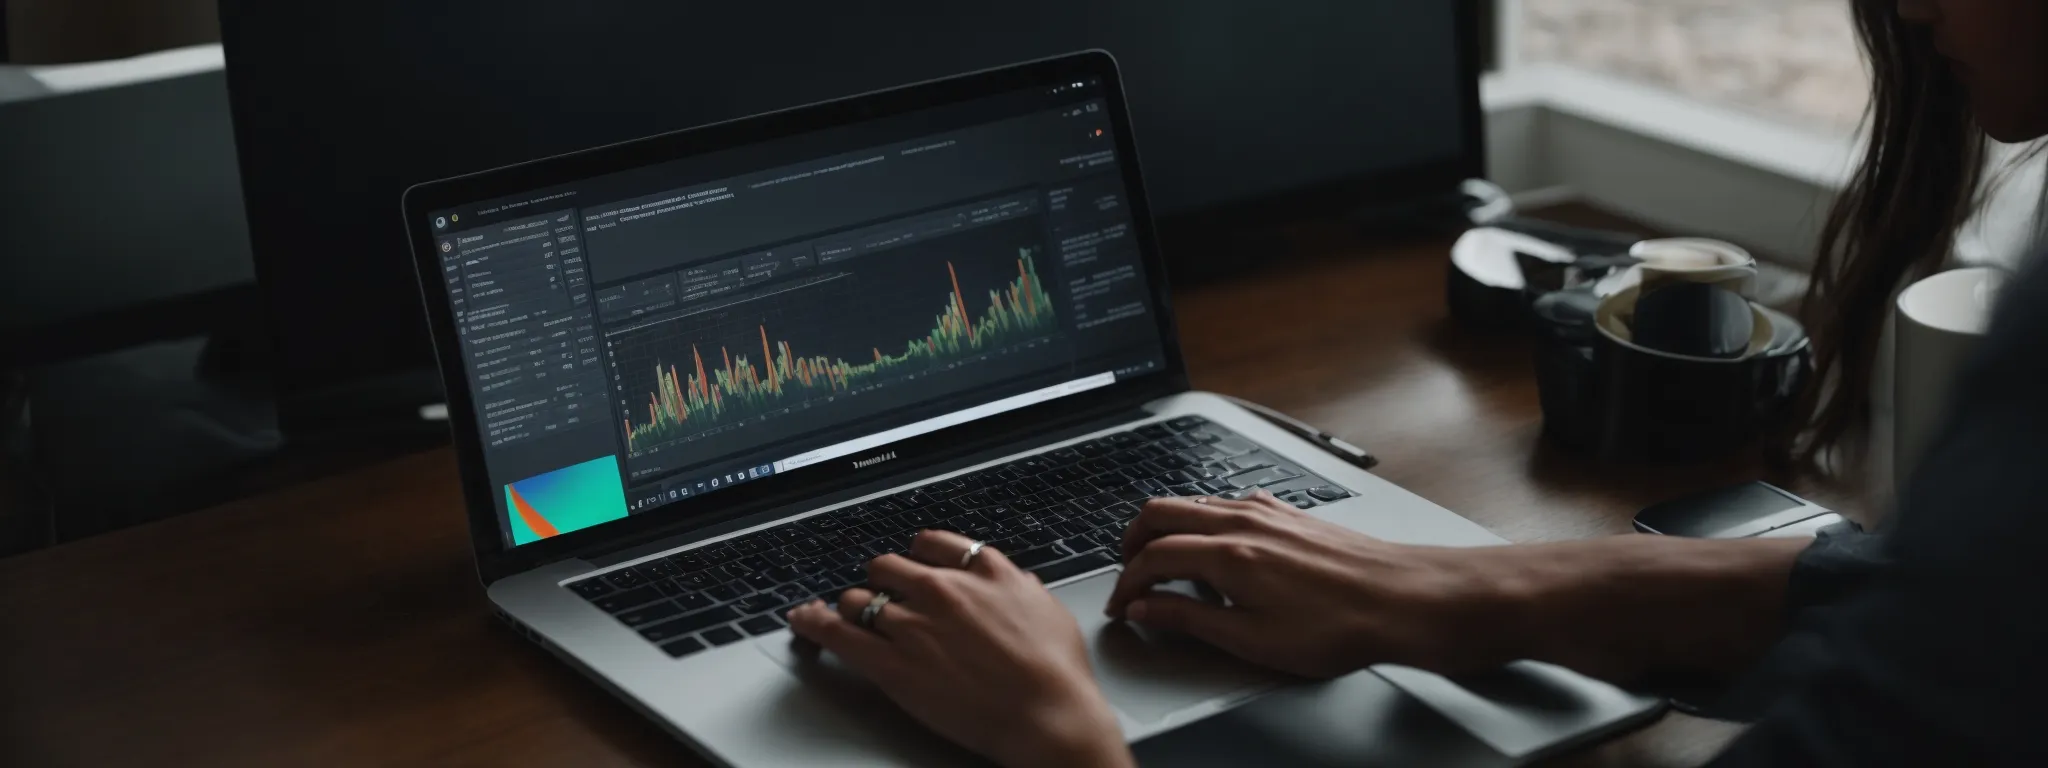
column 565, row 500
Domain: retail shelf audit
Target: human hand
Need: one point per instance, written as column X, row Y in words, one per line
column 1309, row 597
column 984, row 655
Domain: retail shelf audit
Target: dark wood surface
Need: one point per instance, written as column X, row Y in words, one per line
column 340, row 622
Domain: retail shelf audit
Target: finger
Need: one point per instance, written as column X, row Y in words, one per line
column 1225, row 628
column 947, row 547
column 868, row 653
column 1180, row 556
column 903, row 577
column 940, row 549
column 854, row 601
column 1177, row 515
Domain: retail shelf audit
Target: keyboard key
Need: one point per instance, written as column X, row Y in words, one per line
column 657, row 570
column 1107, row 538
column 1074, row 566
column 622, row 600
column 728, row 591
column 722, row 635
column 649, row 613
column 791, row 593
column 591, row 588
column 1328, row 493
column 1186, row 423
column 761, row 625
column 687, row 561
column 1035, row 557
column 1235, row 446
column 683, row 647
column 695, row 601
column 1032, row 503
column 624, row 578
column 704, row 579
column 1259, row 477
column 1131, row 493
column 670, row 588
column 759, row 603
column 1300, row 501
column 1249, row 463
column 732, row 571
column 718, row 554
column 689, row 623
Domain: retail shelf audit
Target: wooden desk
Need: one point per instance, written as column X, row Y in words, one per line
column 340, row 622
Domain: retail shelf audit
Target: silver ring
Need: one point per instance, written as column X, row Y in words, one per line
column 973, row 551
column 1201, row 499
column 872, row 610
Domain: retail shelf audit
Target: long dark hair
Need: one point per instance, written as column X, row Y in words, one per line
column 1916, row 186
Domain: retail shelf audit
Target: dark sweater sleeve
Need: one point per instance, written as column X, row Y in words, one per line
column 1940, row 655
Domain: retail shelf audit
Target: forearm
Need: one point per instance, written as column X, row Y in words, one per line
column 1622, row 607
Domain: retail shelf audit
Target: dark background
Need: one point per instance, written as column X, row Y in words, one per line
column 339, row 107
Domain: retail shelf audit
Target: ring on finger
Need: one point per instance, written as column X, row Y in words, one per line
column 873, row 610
column 973, row 551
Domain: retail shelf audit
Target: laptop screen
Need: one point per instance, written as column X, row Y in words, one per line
column 659, row 334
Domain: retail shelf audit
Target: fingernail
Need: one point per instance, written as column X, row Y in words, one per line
column 1135, row 611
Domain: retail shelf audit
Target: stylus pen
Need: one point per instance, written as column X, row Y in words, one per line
column 1355, row 455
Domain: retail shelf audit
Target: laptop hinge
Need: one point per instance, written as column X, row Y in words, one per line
column 994, row 449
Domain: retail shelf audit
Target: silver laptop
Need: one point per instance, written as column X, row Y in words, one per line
column 700, row 378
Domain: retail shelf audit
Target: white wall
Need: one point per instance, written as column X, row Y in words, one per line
column 1699, row 169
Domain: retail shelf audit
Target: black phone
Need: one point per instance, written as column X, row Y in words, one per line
column 1736, row 512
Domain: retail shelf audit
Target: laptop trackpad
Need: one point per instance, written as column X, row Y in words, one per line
column 1158, row 680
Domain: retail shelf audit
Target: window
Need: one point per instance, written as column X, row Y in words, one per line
column 1793, row 60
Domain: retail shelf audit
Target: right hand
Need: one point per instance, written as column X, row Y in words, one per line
column 1309, row 597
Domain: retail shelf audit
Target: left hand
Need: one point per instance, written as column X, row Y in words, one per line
column 985, row 656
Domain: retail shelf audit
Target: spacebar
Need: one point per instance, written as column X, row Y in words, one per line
column 1074, row 566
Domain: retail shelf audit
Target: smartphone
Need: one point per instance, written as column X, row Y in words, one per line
column 1736, row 512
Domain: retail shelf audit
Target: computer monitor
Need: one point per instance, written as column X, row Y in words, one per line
column 340, row 106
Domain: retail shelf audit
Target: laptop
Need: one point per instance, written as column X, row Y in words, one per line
column 700, row 378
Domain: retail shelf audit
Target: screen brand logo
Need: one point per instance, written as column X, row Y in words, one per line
column 871, row 461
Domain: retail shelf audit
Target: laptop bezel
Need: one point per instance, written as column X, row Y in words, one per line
column 495, row 559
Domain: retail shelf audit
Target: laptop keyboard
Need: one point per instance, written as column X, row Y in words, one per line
column 1059, row 513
